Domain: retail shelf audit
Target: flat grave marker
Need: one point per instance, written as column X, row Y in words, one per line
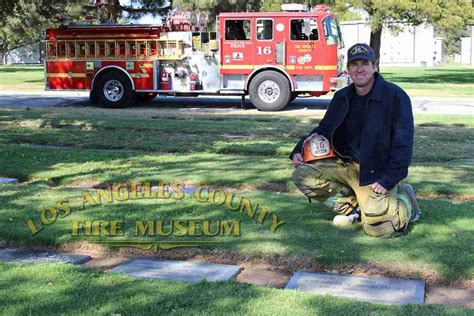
column 9, row 254
column 192, row 272
column 369, row 289
column 8, row 180
column 12, row 255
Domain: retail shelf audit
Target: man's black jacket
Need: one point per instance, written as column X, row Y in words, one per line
column 386, row 144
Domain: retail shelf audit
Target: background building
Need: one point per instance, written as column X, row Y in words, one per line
column 409, row 46
column 467, row 48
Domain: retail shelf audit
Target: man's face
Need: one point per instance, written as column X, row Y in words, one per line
column 361, row 72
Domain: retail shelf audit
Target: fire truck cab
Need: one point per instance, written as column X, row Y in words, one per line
column 272, row 57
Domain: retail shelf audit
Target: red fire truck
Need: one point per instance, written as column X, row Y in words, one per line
column 272, row 57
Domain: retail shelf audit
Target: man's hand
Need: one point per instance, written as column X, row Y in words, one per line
column 298, row 159
column 376, row 187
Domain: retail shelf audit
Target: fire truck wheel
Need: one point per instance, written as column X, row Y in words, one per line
column 145, row 96
column 94, row 98
column 269, row 91
column 115, row 90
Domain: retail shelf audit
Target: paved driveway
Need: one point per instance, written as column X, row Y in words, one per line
column 80, row 99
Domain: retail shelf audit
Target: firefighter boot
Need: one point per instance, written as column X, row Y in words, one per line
column 347, row 208
column 407, row 191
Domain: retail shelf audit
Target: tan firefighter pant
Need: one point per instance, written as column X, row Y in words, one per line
column 382, row 215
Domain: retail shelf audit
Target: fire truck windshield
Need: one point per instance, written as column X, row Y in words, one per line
column 331, row 31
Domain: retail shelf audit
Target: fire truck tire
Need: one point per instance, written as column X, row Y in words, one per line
column 114, row 89
column 145, row 96
column 94, row 98
column 269, row 91
column 293, row 97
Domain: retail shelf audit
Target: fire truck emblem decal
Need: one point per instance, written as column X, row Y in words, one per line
column 304, row 59
column 238, row 56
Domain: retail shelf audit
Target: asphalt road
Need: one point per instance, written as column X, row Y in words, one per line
column 80, row 99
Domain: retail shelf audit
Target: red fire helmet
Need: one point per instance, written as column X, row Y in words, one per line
column 317, row 147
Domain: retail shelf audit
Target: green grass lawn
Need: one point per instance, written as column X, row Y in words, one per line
column 66, row 289
column 55, row 148
column 21, row 78
column 440, row 81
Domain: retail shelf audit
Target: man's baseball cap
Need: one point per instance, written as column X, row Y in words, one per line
column 360, row 51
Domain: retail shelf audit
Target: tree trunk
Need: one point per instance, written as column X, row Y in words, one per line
column 375, row 42
column 3, row 52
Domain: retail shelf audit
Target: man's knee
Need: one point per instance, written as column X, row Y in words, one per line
column 375, row 206
column 383, row 216
column 310, row 181
column 305, row 173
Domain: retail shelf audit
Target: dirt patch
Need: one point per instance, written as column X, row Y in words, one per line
column 277, row 262
column 264, row 275
column 457, row 294
column 238, row 137
column 52, row 125
column 269, row 187
column 81, row 185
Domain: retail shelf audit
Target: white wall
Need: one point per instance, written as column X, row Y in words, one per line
column 412, row 46
column 472, row 45
column 439, row 52
column 465, row 50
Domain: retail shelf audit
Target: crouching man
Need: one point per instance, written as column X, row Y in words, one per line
column 355, row 159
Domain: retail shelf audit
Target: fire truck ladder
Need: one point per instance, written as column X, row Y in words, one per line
column 161, row 49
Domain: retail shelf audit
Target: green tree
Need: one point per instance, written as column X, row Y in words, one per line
column 113, row 11
column 275, row 6
column 452, row 39
column 27, row 20
column 23, row 21
column 6, row 7
column 448, row 14
column 271, row 6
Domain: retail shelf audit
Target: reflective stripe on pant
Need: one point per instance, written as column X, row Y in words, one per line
column 383, row 215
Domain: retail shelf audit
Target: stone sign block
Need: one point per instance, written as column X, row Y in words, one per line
column 369, row 289
column 10, row 255
column 191, row 272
